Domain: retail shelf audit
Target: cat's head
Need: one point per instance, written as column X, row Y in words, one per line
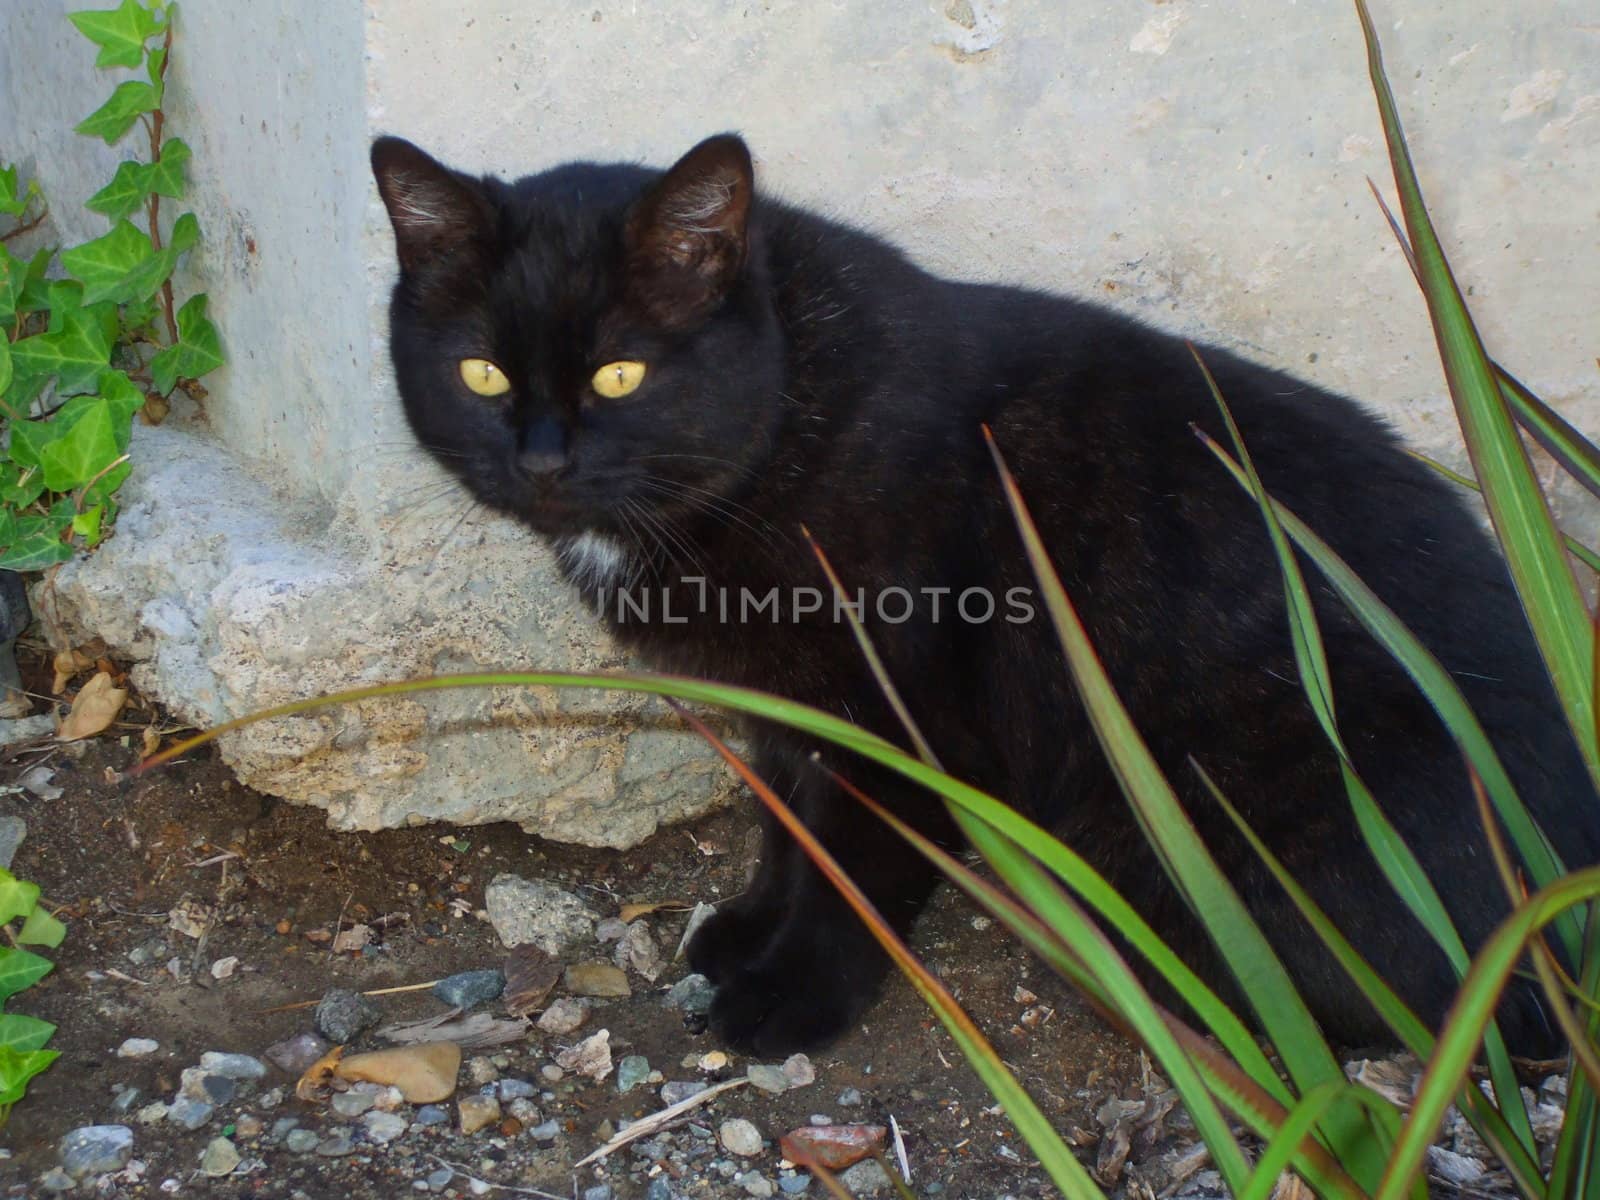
column 587, row 342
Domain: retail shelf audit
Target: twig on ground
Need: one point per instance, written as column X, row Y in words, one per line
column 645, row 1126
column 388, row 991
column 461, row 1170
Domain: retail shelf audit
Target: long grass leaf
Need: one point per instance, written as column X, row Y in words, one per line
column 1256, row 967
column 1574, row 547
column 1469, row 1016
column 1054, row 1155
column 1516, row 504
column 1437, row 686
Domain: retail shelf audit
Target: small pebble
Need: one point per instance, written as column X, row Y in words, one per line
column 126, row 1099
column 659, row 1189
column 232, row 1066
column 336, row 1145
column 693, row 994
column 740, row 1137
column 563, row 1016
column 820, row 1119
column 674, row 1091
column 798, row 1070
column 552, row 1073
column 476, row 1112
column 352, row 1103
column 866, row 1178
column 282, row 1126
column 151, row 1113
column 597, row 979
column 754, row 1183
column 603, row 1192
column 548, row 1132
column 138, row 1047
column 440, row 1179
column 57, row 1180
column 768, row 1079
column 96, row 1149
column 631, row 1072
column 793, row 1185
column 248, row 1126
column 188, row 1113
column 470, row 988
column 383, row 1127
column 514, row 1089
column 610, row 929
column 219, row 1158
column 343, row 1015
column 849, row 1098
column 301, row 1141
column 432, row 1114
column 525, row 1111
column 295, row 1054
column 480, row 1070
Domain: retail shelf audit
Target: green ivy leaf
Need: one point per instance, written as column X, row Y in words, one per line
column 35, row 294
column 8, row 518
column 42, row 928
column 17, row 1069
column 17, row 896
column 166, row 174
column 87, row 526
column 20, row 486
column 28, row 438
column 22, row 1033
column 115, row 267
column 125, row 399
column 120, row 32
column 88, row 445
column 13, row 277
column 76, row 346
column 98, row 494
column 5, row 365
column 185, row 233
column 117, row 115
column 10, row 203
column 124, row 194
column 198, row 350
column 37, row 545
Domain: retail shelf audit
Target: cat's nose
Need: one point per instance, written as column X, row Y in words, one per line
column 542, row 450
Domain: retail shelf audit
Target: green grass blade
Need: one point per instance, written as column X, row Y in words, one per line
column 1576, row 453
column 1054, row 1155
column 1261, row 1112
column 1447, row 1071
column 1413, row 1034
column 1312, row 1108
column 1574, row 547
column 1436, row 684
column 1516, row 504
column 1260, row 974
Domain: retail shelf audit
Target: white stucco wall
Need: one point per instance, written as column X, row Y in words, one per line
column 1200, row 165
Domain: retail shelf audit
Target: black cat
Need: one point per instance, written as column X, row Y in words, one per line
column 667, row 375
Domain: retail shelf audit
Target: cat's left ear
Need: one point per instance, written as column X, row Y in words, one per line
column 688, row 236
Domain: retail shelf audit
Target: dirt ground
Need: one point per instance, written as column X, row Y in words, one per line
column 118, row 855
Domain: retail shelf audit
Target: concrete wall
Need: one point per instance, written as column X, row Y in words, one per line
column 1200, row 165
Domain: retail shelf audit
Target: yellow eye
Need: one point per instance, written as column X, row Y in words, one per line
column 618, row 378
column 483, row 377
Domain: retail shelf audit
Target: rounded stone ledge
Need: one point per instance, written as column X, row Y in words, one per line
column 227, row 599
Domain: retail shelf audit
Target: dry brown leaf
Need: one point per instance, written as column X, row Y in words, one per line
column 631, row 912
column 150, row 741
column 68, row 664
column 313, row 1084
column 531, row 975
column 97, row 705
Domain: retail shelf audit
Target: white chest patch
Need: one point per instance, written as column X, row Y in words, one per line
column 594, row 560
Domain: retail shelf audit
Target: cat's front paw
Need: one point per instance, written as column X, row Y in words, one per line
column 735, row 939
column 785, row 1005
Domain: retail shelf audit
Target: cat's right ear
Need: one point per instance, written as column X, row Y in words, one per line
column 688, row 235
column 435, row 211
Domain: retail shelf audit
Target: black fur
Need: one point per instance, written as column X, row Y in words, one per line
column 800, row 372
